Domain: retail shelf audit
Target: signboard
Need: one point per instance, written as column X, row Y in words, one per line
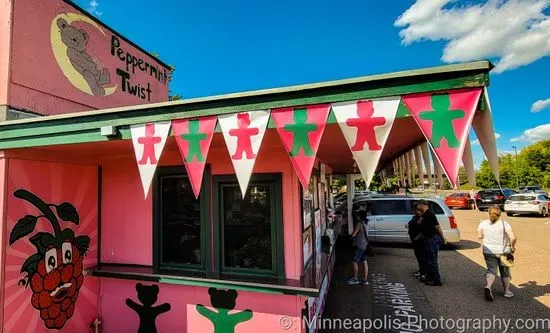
column 307, row 243
column 318, row 231
column 64, row 60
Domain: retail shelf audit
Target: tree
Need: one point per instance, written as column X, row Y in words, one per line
column 532, row 168
column 171, row 97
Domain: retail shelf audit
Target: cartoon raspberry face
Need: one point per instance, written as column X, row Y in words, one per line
column 55, row 271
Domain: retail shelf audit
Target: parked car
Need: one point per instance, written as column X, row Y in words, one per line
column 389, row 216
column 532, row 189
column 486, row 199
column 460, row 200
column 528, row 203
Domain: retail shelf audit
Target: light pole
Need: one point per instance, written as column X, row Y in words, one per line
column 517, row 178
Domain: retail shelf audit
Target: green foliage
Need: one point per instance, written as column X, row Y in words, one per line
column 171, row 96
column 532, row 168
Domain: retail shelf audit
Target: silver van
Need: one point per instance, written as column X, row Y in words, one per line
column 389, row 216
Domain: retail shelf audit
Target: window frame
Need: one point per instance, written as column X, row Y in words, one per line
column 277, row 227
column 205, row 228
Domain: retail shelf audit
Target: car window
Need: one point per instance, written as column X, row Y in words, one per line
column 434, row 207
column 458, row 195
column 362, row 205
column 489, row 193
column 546, row 197
column 391, row 207
column 521, row 198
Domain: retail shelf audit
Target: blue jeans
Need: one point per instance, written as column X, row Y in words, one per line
column 431, row 258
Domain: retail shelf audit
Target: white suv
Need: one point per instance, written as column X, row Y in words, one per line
column 389, row 216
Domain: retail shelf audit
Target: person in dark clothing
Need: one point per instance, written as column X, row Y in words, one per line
column 417, row 240
column 434, row 238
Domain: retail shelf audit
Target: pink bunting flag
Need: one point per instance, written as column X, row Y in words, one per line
column 445, row 120
column 301, row 129
column 193, row 137
column 148, row 141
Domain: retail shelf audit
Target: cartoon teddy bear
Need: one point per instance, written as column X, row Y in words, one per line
column 147, row 313
column 223, row 301
column 76, row 41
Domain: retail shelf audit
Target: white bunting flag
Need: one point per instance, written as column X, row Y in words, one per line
column 366, row 126
column 148, row 140
column 243, row 133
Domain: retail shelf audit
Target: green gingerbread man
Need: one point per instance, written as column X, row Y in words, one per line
column 300, row 130
column 442, row 121
column 194, row 138
column 223, row 301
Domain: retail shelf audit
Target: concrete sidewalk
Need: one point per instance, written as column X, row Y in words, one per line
column 393, row 301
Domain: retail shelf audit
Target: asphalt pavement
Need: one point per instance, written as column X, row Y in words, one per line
column 395, row 301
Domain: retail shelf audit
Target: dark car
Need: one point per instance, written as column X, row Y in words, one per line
column 486, row 199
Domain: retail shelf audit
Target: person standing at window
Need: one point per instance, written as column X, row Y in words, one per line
column 498, row 238
column 433, row 234
column 361, row 242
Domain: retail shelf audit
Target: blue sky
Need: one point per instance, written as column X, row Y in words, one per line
column 221, row 47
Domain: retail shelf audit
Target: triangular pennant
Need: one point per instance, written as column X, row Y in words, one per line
column 243, row 133
column 301, row 129
column 445, row 119
column 148, row 140
column 483, row 126
column 366, row 126
column 193, row 137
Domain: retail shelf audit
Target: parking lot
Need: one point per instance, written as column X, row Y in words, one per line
column 394, row 294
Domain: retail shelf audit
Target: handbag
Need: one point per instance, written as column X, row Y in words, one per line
column 507, row 258
column 370, row 249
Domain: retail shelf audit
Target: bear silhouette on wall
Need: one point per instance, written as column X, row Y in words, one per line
column 147, row 313
column 76, row 41
column 224, row 301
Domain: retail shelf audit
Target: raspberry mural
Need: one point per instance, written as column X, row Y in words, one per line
column 55, row 272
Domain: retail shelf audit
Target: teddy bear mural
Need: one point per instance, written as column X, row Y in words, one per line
column 147, row 313
column 223, row 301
column 76, row 41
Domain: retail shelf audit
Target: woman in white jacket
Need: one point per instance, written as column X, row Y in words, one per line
column 498, row 239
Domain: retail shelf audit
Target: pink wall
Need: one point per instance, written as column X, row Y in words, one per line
column 5, row 40
column 3, row 217
column 125, row 225
column 44, row 78
column 267, row 309
column 74, row 305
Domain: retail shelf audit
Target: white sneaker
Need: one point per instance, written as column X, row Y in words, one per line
column 508, row 294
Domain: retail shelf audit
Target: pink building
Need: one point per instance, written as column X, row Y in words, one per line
column 142, row 218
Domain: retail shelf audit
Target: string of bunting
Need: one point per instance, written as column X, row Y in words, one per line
column 445, row 119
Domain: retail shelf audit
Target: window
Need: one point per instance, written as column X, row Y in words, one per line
column 432, row 205
column 362, row 205
column 181, row 224
column 248, row 231
column 522, row 198
column 391, row 207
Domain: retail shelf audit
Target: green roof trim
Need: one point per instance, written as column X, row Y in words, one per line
column 85, row 126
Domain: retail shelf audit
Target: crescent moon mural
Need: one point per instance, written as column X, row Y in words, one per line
column 69, row 48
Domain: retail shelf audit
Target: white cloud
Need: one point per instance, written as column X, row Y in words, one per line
column 540, row 104
column 538, row 133
column 476, row 141
column 515, row 31
column 93, row 7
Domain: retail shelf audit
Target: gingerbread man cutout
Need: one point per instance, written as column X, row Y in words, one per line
column 149, row 142
column 244, row 134
column 365, row 126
